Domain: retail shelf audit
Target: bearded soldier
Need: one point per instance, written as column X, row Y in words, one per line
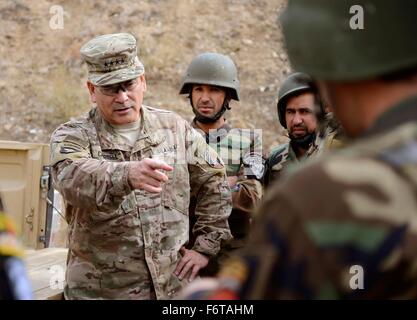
column 300, row 112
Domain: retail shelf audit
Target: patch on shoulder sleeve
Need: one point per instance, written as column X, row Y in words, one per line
column 70, row 147
column 254, row 166
column 71, row 144
column 211, row 157
column 201, row 153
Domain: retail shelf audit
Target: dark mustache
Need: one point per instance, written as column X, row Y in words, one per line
column 300, row 126
column 119, row 106
column 208, row 105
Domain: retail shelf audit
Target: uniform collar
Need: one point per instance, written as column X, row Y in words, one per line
column 403, row 112
column 215, row 135
column 109, row 140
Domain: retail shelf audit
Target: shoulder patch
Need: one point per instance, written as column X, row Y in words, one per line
column 213, row 159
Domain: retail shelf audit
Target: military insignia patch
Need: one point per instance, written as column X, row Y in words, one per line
column 254, row 167
column 212, row 159
column 68, row 150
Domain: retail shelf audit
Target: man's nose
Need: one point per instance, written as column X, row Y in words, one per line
column 205, row 96
column 121, row 96
column 297, row 119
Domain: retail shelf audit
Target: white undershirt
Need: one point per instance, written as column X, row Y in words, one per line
column 129, row 131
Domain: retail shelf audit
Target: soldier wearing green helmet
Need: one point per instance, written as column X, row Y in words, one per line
column 344, row 226
column 216, row 70
column 299, row 111
column 211, row 82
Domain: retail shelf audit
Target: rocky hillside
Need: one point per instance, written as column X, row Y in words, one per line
column 42, row 79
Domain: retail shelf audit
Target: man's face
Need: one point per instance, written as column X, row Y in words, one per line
column 119, row 103
column 300, row 115
column 207, row 100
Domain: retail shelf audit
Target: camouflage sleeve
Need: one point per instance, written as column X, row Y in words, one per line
column 248, row 190
column 246, row 196
column 210, row 188
column 253, row 162
column 84, row 181
column 272, row 168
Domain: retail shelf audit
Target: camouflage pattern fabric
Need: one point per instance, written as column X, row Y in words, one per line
column 358, row 208
column 241, row 151
column 124, row 243
column 112, row 58
column 281, row 159
column 331, row 135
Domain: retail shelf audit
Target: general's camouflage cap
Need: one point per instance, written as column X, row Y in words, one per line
column 112, row 58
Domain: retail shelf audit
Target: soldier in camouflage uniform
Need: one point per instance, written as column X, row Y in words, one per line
column 344, row 227
column 300, row 112
column 211, row 82
column 126, row 172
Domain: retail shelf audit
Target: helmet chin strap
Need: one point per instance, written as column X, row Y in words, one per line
column 303, row 142
column 206, row 120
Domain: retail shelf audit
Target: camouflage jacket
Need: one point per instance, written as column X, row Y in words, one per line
column 331, row 134
column 124, row 243
column 342, row 227
column 280, row 158
column 241, row 151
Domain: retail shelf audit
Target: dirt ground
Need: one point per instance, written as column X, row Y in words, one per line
column 42, row 79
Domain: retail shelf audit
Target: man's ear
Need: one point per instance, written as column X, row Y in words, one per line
column 227, row 99
column 143, row 82
column 92, row 91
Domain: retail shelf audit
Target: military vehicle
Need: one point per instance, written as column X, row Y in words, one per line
column 36, row 208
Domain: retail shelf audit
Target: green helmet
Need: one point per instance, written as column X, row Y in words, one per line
column 325, row 40
column 295, row 83
column 212, row 69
